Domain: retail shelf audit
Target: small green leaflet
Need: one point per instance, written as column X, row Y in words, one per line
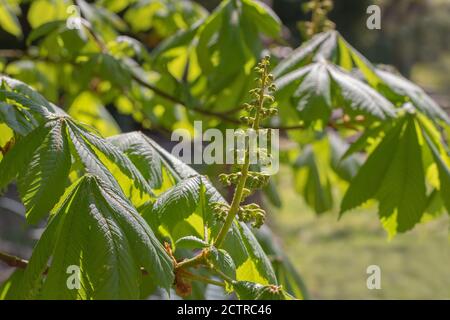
column 45, row 179
column 221, row 260
column 96, row 229
column 191, row 242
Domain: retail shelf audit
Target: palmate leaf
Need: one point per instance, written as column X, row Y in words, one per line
column 330, row 46
column 442, row 160
column 47, row 151
column 315, row 90
column 394, row 174
column 150, row 158
column 98, row 230
column 212, row 52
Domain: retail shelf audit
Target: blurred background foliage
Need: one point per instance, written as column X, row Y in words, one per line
column 331, row 255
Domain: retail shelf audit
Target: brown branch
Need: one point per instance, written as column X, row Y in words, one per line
column 13, row 261
column 219, row 115
column 176, row 100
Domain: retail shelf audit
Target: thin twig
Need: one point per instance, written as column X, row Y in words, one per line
column 13, row 261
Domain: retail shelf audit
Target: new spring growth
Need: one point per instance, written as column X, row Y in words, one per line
column 261, row 106
column 319, row 21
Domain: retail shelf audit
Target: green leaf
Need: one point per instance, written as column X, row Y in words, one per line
column 365, row 139
column 443, row 164
column 19, row 120
column 8, row 18
column 191, row 242
column 313, row 183
column 114, row 155
column 44, row 30
column 45, row 179
column 263, row 16
column 222, row 261
column 101, row 233
column 287, row 275
column 174, row 206
column 18, row 158
column 298, row 57
column 44, row 11
column 108, row 68
column 346, row 168
column 179, row 39
column 315, row 90
column 408, row 91
column 144, row 156
column 313, row 96
column 358, row 96
column 27, row 103
column 257, row 265
column 332, row 47
column 394, row 175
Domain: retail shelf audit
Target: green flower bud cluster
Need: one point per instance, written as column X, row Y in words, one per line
column 263, row 100
column 229, row 179
column 256, row 180
column 220, row 210
column 319, row 21
column 252, row 213
column 261, row 106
